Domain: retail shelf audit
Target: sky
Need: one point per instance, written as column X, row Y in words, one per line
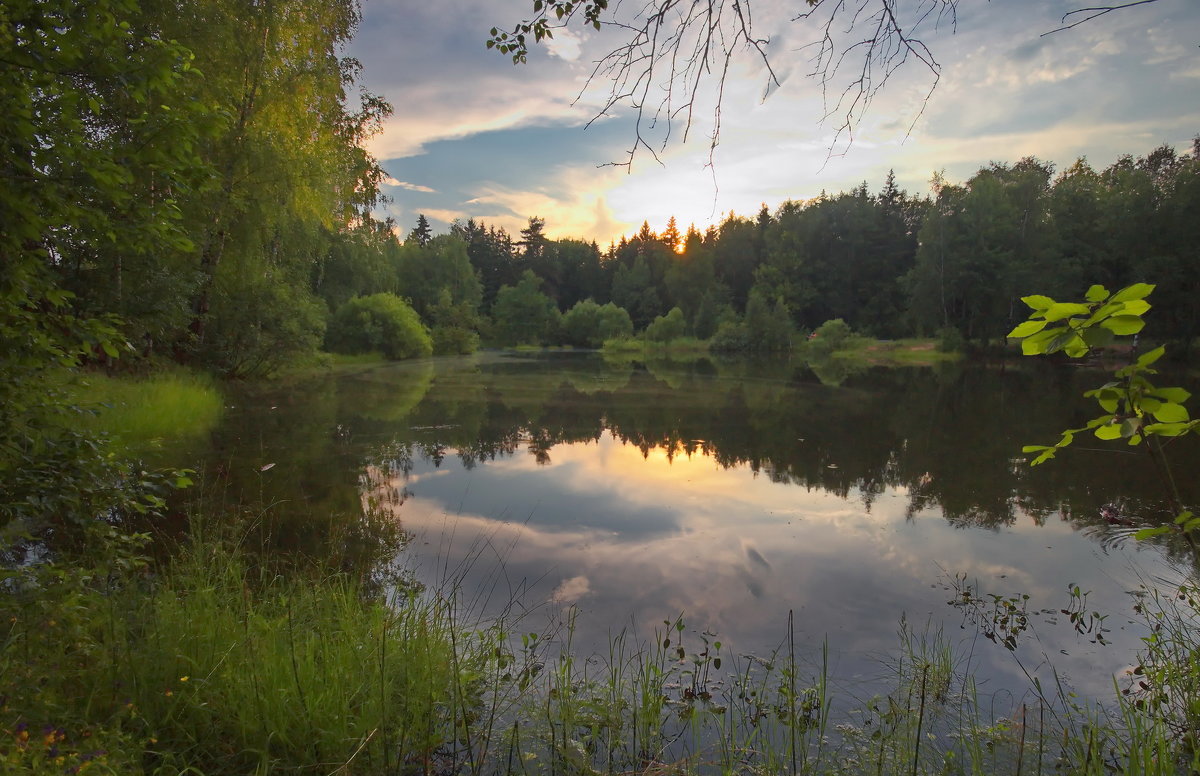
column 474, row 136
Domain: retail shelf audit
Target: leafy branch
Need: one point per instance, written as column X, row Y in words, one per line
column 1133, row 408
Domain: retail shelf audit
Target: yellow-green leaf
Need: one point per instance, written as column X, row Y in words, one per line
column 1027, row 328
column 1038, row 302
column 1136, row 291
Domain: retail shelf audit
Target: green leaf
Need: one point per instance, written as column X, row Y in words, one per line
column 1123, row 324
column 1183, row 517
column 110, row 349
column 1136, row 307
column 1108, row 431
column 1027, row 328
column 1167, row 429
column 1177, row 395
column 1170, row 412
column 1148, row 533
column 1038, row 302
column 1075, row 347
column 1096, row 293
column 1130, row 428
column 1108, row 398
column 1036, row 344
column 1136, row 291
column 1061, row 310
column 1148, row 358
column 1035, row 448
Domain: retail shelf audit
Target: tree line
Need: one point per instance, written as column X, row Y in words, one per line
column 889, row 264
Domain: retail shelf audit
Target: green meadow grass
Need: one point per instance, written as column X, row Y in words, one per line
column 138, row 410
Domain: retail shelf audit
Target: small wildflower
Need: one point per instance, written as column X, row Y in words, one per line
column 184, row 678
column 169, row 693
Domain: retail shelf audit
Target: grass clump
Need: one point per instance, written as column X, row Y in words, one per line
column 139, row 410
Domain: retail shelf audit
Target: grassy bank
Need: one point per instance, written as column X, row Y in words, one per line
column 218, row 665
column 872, row 352
column 139, row 410
column 638, row 346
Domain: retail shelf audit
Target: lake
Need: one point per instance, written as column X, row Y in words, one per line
column 728, row 492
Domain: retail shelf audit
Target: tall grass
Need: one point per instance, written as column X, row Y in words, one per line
column 138, row 410
column 220, row 666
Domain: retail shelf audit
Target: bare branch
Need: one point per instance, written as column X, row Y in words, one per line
column 1087, row 14
column 674, row 47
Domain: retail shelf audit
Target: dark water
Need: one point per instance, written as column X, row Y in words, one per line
column 731, row 493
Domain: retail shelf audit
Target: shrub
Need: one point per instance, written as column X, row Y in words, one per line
column 830, row 336
column 588, row 324
column 454, row 341
column 667, row 327
column 732, row 336
column 382, row 322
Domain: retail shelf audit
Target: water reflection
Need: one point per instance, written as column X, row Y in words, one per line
column 730, row 491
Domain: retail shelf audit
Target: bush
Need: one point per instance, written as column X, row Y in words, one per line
column 667, row 327
column 588, row 324
column 732, row 336
column 261, row 325
column 454, row 341
column 382, row 322
column 830, row 336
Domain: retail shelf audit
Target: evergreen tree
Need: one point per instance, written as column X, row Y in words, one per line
column 421, row 233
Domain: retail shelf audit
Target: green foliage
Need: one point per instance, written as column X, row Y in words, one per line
column 830, row 336
column 440, row 265
column 225, row 666
column 769, row 323
column 589, row 325
column 454, row 325
column 667, row 327
column 382, row 322
column 732, row 336
column 260, row 324
column 950, row 340
column 1133, row 408
column 523, row 315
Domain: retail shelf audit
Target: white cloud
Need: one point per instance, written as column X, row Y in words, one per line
column 565, row 45
column 390, row 181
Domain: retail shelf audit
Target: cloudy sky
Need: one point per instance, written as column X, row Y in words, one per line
column 474, row 136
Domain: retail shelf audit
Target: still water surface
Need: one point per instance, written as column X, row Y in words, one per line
column 731, row 493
